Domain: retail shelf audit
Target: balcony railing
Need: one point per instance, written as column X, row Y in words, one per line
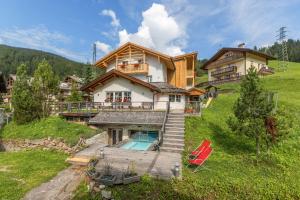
column 227, row 59
column 236, row 77
column 138, row 68
column 192, row 107
column 95, row 107
column 223, row 71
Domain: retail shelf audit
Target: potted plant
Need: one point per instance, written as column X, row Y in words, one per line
column 189, row 109
column 130, row 176
column 93, row 162
column 107, row 178
column 91, row 172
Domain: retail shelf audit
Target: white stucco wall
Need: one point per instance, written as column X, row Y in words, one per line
column 162, row 99
column 157, row 70
column 254, row 60
column 138, row 92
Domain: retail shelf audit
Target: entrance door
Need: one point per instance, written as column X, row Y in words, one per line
column 114, row 136
column 120, row 135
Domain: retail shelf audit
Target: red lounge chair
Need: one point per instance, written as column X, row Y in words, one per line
column 206, row 143
column 201, row 158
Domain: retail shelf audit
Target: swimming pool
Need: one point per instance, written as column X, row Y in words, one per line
column 141, row 141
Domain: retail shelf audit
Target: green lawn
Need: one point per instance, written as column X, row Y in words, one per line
column 24, row 170
column 232, row 172
column 54, row 127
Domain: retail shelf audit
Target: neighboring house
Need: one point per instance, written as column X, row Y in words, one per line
column 230, row 64
column 65, row 86
column 9, row 85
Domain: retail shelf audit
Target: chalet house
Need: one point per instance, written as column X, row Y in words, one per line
column 230, row 64
column 9, row 85
column 143, row 95
column 145, row 77
column 66, row 85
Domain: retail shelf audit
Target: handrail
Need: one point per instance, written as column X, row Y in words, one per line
column 163, row 128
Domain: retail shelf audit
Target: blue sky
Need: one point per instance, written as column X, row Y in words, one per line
column 70, row 27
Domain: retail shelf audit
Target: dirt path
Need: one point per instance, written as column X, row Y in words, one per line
column 60, row 187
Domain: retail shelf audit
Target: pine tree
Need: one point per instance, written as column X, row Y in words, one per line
column 251, row 109
column 88, row 74
column 26, row 108
column 45, row 85
column 75, row 95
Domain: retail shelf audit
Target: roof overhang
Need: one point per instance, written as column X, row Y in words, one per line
column 113, row 74
column 196, row 91
column 243, row 50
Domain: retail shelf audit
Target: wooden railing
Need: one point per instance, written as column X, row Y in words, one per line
column 237, row 77
column 223, row 71
column 138, row 68
column 192, row 107
column 95, row 107
column 227, row 59
column 163, row 128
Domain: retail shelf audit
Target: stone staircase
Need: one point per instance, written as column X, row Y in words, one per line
column 173, row 138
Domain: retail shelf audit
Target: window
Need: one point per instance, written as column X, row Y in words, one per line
column 118, row 96
column 178, row 98
column 125, row 62
column 127, row 97
column 149, row 78
column 174, row 98
column 109, row 96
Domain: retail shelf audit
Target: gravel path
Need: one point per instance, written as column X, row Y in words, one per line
column 60, row 187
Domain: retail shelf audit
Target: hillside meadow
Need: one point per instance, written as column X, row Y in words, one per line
column 232, row 171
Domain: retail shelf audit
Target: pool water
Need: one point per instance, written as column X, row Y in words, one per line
column 141, row 141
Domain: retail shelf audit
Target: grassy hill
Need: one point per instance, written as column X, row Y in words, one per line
column 12, row 57
column 232, row 172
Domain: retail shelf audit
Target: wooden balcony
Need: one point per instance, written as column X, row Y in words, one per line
column 227, row 60
column 224, row 71
column 141, row 68
column 232, row 78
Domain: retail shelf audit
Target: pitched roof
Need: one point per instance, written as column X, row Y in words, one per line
column 129, row 117
column 75, row 78
column 167, row 88
column 124, row 46
column 226, row 49
column 115, row 73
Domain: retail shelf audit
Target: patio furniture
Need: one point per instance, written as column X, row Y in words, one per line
column 205, row 143
column 200, row 158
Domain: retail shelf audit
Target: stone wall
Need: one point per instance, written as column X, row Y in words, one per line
column 46, row 143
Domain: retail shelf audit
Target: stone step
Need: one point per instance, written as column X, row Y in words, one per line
column 171, row 127
column 173, row 124
column 170, row 149
column 173, row 145
column 173, row 136
column 174, row 140
column 175, row 132
column 175, row 121
column 176, row 116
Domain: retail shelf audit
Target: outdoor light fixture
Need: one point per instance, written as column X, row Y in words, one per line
column 101, row 153
column 176, row 169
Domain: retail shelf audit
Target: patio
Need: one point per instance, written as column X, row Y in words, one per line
column 154, row 163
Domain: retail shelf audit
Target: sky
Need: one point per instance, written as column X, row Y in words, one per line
column 70, row 27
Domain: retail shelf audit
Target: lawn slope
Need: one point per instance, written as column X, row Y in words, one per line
column 24, row 170
column 232, row 172
column 54, row 127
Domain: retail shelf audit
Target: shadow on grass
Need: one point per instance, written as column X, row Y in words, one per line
column 229, row 142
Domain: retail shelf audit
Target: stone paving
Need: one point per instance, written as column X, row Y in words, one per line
column 157, row 164
column 60, row 187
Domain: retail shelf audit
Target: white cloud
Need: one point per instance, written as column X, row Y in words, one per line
column 158, row 30
column 258, row 21
column 103, row 47
column 115, row 22
column 39, row 38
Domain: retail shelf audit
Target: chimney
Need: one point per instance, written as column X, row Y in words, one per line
column 242, row 45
